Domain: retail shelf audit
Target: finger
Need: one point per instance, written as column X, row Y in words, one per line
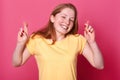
column 87, row 23
column 89, row 27
column 25, row 27
column 86, row 26
column 85, row 33
column 20, row 32
column 91, row 30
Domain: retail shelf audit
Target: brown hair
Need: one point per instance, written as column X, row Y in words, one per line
column 49, row 31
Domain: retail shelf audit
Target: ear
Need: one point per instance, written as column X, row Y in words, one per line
column 52, row 18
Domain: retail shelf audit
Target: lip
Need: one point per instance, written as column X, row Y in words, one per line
column 64, row 27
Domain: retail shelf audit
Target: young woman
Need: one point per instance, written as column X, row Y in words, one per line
column 56, row 46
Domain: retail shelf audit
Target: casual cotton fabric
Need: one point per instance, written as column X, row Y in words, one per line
column 56, row 61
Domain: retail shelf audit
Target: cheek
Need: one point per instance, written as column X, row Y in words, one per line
column 58, row 20
column 71, row 25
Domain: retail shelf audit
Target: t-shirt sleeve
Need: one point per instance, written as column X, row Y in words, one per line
column 82, row 42
column 31, row 45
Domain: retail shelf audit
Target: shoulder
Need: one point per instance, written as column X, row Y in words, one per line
column 34, row 38
column 76, row 36
column 39, row 39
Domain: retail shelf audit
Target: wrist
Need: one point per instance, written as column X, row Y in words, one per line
column 92, row 43
column 21, row 44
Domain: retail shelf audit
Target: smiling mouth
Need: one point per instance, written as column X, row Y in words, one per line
column 64, row 27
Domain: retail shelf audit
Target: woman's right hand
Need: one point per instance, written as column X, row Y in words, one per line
column 23, row 34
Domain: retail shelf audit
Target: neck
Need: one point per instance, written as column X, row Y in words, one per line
column 59, row 37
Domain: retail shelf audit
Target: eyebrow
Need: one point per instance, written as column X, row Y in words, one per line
column 66, row 15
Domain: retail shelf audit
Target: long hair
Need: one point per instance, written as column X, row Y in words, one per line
column 49, row 32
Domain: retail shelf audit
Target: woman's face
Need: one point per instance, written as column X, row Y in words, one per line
column 63, row 21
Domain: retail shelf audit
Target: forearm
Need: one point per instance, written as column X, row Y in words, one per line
column 97, row 55
column 18, row 53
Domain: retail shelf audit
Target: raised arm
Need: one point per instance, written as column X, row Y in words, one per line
column 91, row 51
column 21, row 53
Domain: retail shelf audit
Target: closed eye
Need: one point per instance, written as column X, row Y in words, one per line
column 63, row 17
column 72, row 19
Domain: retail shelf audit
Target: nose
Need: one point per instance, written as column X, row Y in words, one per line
column 67, row 21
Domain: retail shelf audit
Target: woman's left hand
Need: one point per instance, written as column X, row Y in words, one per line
column 89, row 33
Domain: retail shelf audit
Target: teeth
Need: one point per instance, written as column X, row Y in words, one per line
column 65, row 27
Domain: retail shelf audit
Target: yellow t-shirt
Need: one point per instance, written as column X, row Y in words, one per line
column 56, row 61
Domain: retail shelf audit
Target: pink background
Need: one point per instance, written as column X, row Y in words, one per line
column 104, row 15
